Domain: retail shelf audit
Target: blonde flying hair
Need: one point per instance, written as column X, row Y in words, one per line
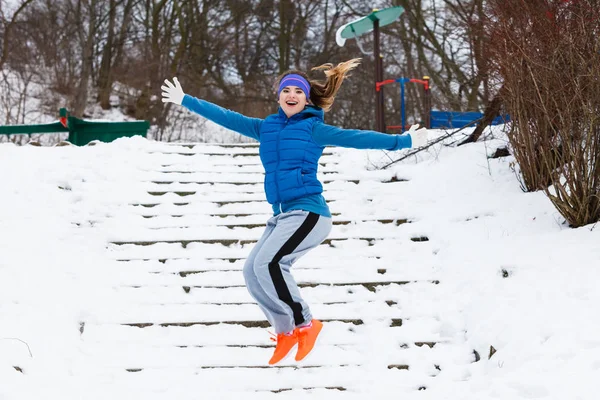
column 322, row 93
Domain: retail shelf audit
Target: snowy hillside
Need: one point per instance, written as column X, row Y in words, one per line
column 120, row 278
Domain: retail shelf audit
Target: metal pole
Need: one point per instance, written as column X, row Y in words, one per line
column 379, row 120
column 427, row 102
column 381, row 102
column 402, row 106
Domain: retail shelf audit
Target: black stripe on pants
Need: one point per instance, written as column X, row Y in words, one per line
column 275, row 270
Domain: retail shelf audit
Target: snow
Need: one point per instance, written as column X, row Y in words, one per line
column 510, row 275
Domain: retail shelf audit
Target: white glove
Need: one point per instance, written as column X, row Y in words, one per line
column 418, row 137
column 172, row 93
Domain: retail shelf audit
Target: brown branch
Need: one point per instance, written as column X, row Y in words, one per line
column 431, row 143
column 491, row 112
column 22, row 341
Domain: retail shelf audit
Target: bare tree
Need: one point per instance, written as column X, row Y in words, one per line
column 549, row 56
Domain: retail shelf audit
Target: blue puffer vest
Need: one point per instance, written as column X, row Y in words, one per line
column 290, row 156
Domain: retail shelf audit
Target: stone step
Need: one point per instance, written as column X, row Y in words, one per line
column 249, row 152
column 190, row 167
column 205, row 187
column 317, row 259
column 210, row 267
column 192, row 197
column 219, row 218
column 141, row 356
column 252, row 381
column 413, row 333
column 258, row 176
column 391, row 322
column 392, row 294
column 237, row 242
column 161, row 185
column 228, row 162
column 313, row 262
column 239, row 294
column 241, row 145
column 235, row 335
column 166, row 179
column 137, row 355
column 230, row 197
column 220, row 160
column 372, row 286
column 213, row 313
column 183, row 213
column 360, row 231
column 349, row 382
column 177, row 223
column 213, row 251
column 304, row 278
column 206, row 202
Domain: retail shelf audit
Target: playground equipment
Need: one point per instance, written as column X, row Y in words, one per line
column 431, row 119
column 81, row 132
column 434, row 119
column 403, row 81
column 459, row 119
column 371, row 22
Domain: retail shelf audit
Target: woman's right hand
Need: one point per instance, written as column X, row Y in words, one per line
column 172, row 92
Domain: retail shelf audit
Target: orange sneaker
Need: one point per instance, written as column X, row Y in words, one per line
column 307, row 336
column 285, row 343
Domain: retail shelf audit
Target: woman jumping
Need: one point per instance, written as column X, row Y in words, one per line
column 291, row 143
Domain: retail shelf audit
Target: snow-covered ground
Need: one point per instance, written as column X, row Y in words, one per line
column 511, row 275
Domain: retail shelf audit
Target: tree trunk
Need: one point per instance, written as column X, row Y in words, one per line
column 285, row 22
column 81, row 96
column 120, row 45
column 143, row 106
column 9, row 25
column 104, row 75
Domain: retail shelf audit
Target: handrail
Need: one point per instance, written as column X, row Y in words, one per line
column 81, row 131
column 55, row 127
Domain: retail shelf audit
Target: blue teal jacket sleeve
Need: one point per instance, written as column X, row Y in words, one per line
column 327, row 135
column 226, row 118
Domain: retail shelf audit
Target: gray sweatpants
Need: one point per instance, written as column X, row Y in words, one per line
column 287, row 237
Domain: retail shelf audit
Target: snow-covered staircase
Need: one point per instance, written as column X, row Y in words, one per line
column 182, row 304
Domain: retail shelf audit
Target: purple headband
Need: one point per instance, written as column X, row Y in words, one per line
column 295, row 80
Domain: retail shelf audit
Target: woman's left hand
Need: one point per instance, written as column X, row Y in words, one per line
column 418, row 136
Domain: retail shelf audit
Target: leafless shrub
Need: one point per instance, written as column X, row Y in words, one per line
column 548, row 54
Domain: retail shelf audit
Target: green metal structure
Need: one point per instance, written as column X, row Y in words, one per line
column 82, row 132
column 367, row 23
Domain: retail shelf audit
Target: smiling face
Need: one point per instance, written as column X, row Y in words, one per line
column 292, row 100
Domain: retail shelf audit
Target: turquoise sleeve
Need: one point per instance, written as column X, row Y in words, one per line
column 226, row 118
column 327, row 135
